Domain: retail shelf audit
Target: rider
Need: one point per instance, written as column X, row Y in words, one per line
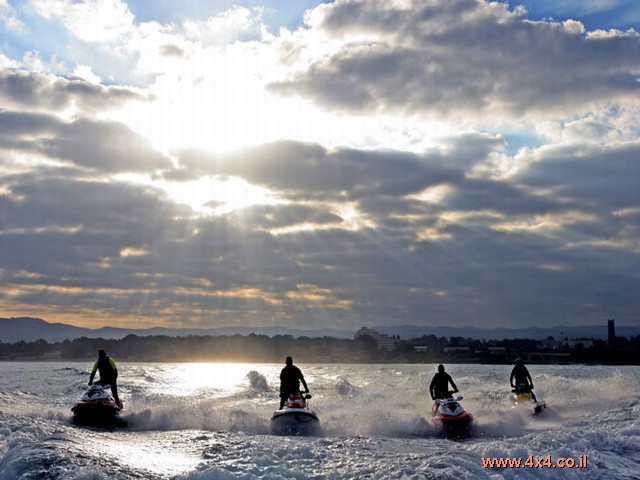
column 108, row 374
column 439, row 387
column 522, row 377
column 290, row 378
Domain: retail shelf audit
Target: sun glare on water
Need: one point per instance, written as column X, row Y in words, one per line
column 224, row 378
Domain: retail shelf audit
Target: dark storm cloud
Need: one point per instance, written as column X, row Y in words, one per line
column 129, row 250
column 477, row 195
column 602, row 176
column 104, row 146
column 468, row 149
column 34, row 91
column 64, row 198
column 309, row 171
column 449, row 57
column 282, row 216
column 382, row 184
column 99, row 145
column 18, row 128
column 92, row 236
column 66, row 231
column 456, row 257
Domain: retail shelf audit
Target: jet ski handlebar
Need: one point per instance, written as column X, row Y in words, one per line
column 441, row 401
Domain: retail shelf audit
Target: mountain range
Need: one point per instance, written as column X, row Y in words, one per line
column 13, row 330
column 29, row 329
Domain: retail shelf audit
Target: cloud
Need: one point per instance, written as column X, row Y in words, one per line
column 172, row 51
column 494, row 250
column 400, row 203
column 599, row 176
column 9, row 18
column 50, row 93
column 99, row 145
column 274, row 217
column 299, row 170
column 237, row 23
column 458, row 58
column 89, row 20
column 119, row 248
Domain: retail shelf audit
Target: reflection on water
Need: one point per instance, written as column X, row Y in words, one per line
column 197, row 378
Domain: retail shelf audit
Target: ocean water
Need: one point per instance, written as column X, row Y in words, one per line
column 212, row 421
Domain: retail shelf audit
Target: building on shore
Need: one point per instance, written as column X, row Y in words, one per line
column 384, row 341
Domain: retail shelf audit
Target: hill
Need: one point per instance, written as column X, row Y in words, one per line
column 13, row 330
column 27, row 329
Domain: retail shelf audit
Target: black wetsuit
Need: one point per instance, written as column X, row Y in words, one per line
column 290, row 378
column 523, row 382
column 521, row 376
column 439, row 387
column 108, row 375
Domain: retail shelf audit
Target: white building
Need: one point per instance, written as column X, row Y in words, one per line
column 383, row 341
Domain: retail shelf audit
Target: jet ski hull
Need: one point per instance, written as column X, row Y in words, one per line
column 526, row 401
column 450, row 420
column 449, row 415
column 96, row 408
column 295, row 421
column 95, row 413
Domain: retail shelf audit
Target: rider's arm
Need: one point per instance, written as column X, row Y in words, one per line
column 114, row 367
column 303, row 381
column 93, row 372
column 453, row 384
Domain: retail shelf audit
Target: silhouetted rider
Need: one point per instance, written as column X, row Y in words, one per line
column 439, row 387
column 523, row 382
column 108, row 374
column 290, row 378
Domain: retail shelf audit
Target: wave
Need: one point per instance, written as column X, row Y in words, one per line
column 376, row 423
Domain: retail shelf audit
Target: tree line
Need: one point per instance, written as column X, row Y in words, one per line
column 255, row 348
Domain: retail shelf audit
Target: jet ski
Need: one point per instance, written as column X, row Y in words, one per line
column 97, row 406
column 449, row 414
column 295, row 417
column 523, row 397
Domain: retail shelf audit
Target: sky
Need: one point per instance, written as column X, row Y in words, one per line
column 320, row 165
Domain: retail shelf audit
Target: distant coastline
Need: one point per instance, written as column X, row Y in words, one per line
column 363, row 349
column 30, row 329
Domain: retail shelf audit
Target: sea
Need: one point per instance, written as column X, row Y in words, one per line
column 209, row 421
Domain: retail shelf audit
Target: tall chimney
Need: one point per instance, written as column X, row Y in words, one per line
column 611, row 324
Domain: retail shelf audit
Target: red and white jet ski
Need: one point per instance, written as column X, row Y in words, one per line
column 449, row 413
column 96, row 406
column 295, row 417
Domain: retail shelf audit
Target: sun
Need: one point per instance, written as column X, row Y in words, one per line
column 213, row 98
column 212, row 195
column 217, row 99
